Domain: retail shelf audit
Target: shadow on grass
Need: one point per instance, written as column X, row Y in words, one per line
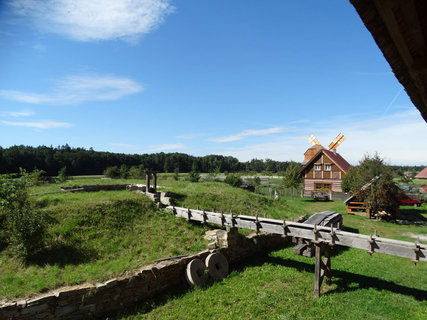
column 62, row 255
column 413, row 214
column 178, row 197
column 343, row 279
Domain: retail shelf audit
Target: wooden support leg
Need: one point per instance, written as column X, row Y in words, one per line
column 317, row 267
column 322, row 267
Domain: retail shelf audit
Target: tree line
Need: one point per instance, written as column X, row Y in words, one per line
column 81, row 161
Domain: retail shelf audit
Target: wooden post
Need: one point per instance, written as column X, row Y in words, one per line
column 147, row 179
column 322, row 267
column 155, row 182
column 317, row 266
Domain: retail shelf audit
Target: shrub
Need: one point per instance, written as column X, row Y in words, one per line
column 62, row 175
column 24, row 225
column 194, row 175
column 233, row 180
column 137, row 172
column 112, row 172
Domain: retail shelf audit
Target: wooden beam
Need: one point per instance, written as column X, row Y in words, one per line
column 415, row 251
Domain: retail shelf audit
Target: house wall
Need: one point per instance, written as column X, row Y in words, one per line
column 332, row 177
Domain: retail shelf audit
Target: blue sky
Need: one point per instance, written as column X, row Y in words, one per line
column 250, row 79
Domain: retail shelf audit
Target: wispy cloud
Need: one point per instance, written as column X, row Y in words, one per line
column 248, row 133
column 84, row 20
column 398, row 138
column 43, row 124
column 77, row 89
column 165, row 147
column 17, row 114
column 190, row 136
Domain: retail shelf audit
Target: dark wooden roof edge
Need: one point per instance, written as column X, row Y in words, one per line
column 412, row 77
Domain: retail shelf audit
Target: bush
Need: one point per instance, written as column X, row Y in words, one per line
column 233, row 180
column 194, row 175
column 124, row 171
column 24, row 225
column 137, row 172
column 62, row 175
column 112, row 172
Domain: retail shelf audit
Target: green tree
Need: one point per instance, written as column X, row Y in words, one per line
column 292, row 178
column 372, row 182
column 62, row 174
column 194, row 175
column 176, row 174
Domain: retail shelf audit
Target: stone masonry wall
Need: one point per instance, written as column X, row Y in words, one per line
column 89, row 301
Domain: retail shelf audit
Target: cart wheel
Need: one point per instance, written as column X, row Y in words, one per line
column 217, row 265
column 195, row 273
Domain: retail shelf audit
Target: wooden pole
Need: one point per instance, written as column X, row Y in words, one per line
column 155, row 182
column 317, row 267
column 147, row 179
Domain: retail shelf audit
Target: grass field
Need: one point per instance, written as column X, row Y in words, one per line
column 98, row 235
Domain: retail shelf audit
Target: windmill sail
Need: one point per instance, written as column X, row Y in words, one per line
column 338, row 140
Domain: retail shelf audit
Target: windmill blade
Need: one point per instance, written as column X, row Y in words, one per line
column 313, row 140
column 338, row 140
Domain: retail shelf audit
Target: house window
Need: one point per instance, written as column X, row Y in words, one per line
column 326, row 186
column 317, row 167
column 318, row 186
column 327, row 167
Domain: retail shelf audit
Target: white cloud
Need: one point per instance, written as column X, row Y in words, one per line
column 77, row 89
column 190, row 136
column 17, row 114
column 398, row 138
column 165, row 147
column 94, row 20
column 44, row 124
column 248, row 133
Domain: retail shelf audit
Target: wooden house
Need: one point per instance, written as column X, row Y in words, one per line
column 323, row 170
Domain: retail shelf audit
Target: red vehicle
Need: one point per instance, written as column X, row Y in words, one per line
column 406, row 200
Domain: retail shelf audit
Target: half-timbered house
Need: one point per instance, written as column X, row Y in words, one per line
column 323, row 170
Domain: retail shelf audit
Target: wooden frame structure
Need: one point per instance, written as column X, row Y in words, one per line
column 359, row 208
column 322, row 237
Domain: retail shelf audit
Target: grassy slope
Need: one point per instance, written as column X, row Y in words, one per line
column 93, row 237
column 277, row 286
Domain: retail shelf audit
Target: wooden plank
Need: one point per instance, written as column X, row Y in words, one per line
column 416, row 252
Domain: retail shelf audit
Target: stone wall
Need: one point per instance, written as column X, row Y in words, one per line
column 95, row 300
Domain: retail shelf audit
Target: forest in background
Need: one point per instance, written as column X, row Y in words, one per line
column 80, row 161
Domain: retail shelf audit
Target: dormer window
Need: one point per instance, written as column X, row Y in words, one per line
column 327, row 167
column 317, row 167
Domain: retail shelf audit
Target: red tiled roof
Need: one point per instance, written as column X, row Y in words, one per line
column 422, row 174
column 335, row 157
column 339, row 161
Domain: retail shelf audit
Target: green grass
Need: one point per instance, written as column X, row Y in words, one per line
column 98, row 235
column 93, row 237
column 280, row 286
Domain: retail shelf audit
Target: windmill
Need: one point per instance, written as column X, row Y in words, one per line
column 332, row 146
column 316, row 146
